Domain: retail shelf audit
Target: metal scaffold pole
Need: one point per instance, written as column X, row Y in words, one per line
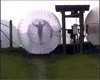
column 10, row 24
column 64, row 32
column 81, row 18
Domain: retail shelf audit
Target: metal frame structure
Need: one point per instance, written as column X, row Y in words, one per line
column 76, row 11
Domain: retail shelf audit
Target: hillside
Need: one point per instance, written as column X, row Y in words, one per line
column 17, row 64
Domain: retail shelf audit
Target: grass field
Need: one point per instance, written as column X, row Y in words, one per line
column 17, row 64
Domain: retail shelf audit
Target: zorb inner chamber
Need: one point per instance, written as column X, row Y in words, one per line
column 39, row 32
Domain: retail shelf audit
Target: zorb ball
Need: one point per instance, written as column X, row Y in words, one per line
column 39, row 32
column 93, row 26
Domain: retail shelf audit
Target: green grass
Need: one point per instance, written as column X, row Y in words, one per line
column 75, row 67
column 14, row 65
column 17, row 64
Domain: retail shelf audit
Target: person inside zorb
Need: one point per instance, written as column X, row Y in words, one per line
column 42, row 33
column 39, row 32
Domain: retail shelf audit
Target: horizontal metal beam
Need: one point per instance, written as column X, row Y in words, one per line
column 73, row 15
column 62, row 8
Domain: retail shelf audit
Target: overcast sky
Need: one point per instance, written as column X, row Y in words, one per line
column 15, row 10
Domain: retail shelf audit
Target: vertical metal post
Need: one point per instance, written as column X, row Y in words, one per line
column 10, row 25
column 64, row 32
column 74, row 43
column 81, row 31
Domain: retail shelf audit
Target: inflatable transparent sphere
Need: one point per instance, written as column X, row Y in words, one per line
column 39, row 32
column 93, row 27
column 5, row 43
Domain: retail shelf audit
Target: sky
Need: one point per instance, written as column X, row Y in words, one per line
column 15, row 10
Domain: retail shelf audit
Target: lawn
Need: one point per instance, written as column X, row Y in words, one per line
column 17, row 64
